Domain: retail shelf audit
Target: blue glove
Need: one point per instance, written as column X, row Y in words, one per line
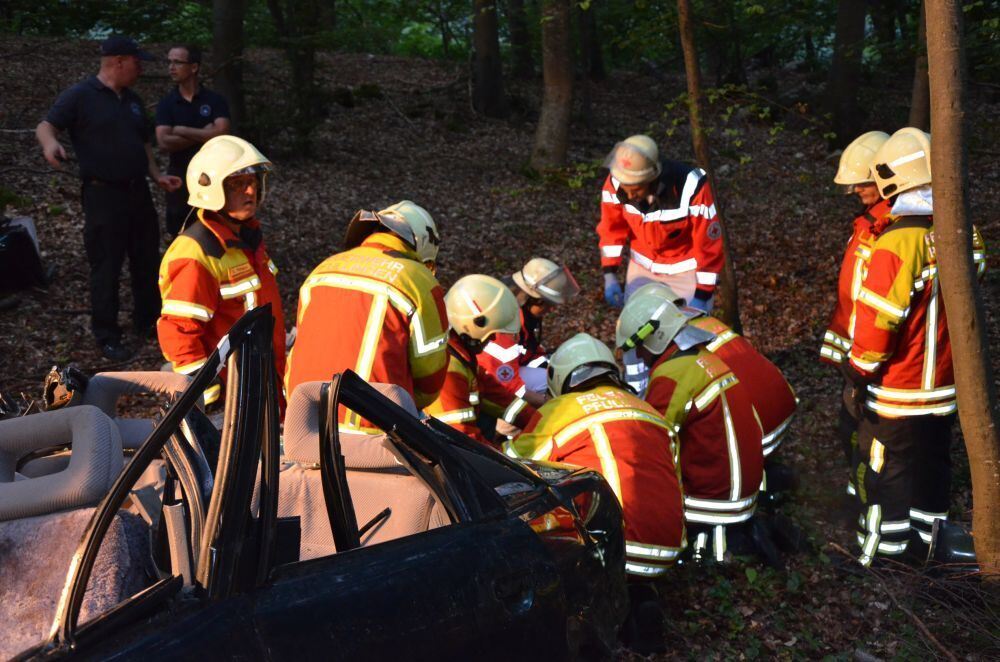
column 613, row 291
column 700, row 304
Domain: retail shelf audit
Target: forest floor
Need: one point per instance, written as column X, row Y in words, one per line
column 408, row 133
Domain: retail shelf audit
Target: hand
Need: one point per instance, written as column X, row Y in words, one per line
column 613, row 291
column 54, row 154
column 169, row 183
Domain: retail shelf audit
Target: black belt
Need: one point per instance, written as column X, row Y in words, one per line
column 123, row 185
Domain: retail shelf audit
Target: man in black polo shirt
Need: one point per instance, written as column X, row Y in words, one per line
column 189, row 116
column 111, row 136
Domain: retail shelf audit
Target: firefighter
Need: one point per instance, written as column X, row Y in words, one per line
column 709, row 409
column 518, row 361
column 594, row 420
column 665, row 211
column 376, row 308
column 900, row 362
column 218, row 267
column 479, row 308
column 854, row 176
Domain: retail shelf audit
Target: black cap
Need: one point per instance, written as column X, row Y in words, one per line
column 122, row 45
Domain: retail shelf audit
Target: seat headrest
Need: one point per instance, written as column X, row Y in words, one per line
column 94, row 464
column 361, row 451
column 104, row 388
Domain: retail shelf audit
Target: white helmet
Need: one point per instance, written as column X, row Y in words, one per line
column 578, row 360
column 544, row 279
column 479, row 306
column 903, row 162
column 219, row 158
column 635, row 160
column 411, row 222
column 856, row 161
column 650, row 318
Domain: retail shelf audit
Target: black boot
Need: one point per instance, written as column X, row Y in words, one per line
column 643, row 629
column 952, row 545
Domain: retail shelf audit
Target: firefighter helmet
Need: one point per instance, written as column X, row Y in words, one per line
column 219, row 158
column 544, row 279
column 635, row 160
column 479, row 306
column 578, row 360
column 650, row 318
column 411, row 222
column 856, row 161
column 903, row 162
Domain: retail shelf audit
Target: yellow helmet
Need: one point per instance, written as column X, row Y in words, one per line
column 219, row 158
column 903, row 162
column 578, row 360
column 411, row 222
column 856, row 161
column 544, row 279
column 479, row 306
column 635, row 160
column 650, row 318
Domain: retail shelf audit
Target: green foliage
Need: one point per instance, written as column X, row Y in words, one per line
column 12, row 199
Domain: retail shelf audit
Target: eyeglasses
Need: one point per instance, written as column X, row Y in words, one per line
column 240, row 182
column 176, row 63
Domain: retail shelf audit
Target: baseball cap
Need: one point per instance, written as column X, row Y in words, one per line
column 122, row 45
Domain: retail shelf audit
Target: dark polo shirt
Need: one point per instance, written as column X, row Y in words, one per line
column 108, row 132
column 203, row 109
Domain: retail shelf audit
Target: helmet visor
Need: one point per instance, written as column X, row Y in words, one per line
column 558, row 286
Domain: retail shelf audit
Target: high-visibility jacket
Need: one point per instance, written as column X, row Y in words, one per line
column 712, row 413
column 839, row 334
column 467, row 391
column 679, row 234
column 773, row 397
column 901, row 331
column 608, row 429
column 506, row 353
column 376, row 310
column 209, row 277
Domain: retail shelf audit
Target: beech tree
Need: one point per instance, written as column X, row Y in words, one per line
column 488, row 95
column 227, row 55
column 953, row 241
column 727, row 305
column 845, row 74
column 920, row 100
column 522, row 64
column 552, row 133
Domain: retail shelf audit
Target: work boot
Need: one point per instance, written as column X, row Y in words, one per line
column 643, row 629
column 115, row 351
column 951, row 544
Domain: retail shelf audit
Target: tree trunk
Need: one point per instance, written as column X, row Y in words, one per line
column 297, row 23
column 488, row 96
column 520, row 40
column 552, row 133
column 845, row 74
column 920, row 102
column 953, row 241
column 727, row 304
column 227, row 55
column 590, row 41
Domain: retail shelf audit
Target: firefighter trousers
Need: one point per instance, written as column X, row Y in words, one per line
column 847, row 434
column 903, row 479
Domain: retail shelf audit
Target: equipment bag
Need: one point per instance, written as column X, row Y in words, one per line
column 20, row 260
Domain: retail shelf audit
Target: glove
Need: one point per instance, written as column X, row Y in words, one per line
column 613, row 291
column 700, row 304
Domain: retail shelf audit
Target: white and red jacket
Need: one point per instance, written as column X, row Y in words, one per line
column 901, row 342
column 677, row 234
column 506, row 353
column 839, row 334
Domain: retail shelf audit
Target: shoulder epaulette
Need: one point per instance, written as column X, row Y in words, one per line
column 205, row 239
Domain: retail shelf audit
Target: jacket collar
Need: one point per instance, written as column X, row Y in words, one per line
column 227, row 238
column 389, row 242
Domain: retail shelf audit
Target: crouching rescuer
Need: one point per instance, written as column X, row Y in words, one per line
column 218, row 267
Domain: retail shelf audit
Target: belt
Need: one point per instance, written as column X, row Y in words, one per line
column 661, row 267
column 124, row 184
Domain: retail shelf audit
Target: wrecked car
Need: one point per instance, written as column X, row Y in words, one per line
column 416, row 543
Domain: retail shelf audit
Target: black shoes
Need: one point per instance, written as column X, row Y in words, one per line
column 115, row 351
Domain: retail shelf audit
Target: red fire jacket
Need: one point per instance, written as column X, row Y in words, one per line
column 680, row 233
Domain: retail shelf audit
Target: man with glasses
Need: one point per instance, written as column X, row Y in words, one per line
column 111, row 136
column 189, row 116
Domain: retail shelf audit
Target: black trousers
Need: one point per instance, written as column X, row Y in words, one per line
column 847, row 433
column 903, row 479
column 120, row 221
column 177, row 208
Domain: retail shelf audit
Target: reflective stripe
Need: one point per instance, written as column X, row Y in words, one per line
column 521, row 391
column 719, row 504
column 831, row 354
column 457, row 416
column 705, row 211
column 250, row 300
column 700, row 517
column 473, row 397
column 512, row 411
column 869, row 542
column 373, row 331
column 926, row 517
column 538, row 363
column 682, row 210
column 906, row 159
column 925, row 536
column 930, row 339
column 270, row 267
column 735, row 479
column 234, row 290
column 609, row 468
column 876, row 458
column 837, row 341
column 604, row 417
column 612, row 251
column 721, row 340
column 212, row 393
column 885, row 547
column 399, row 301
column 709, row 394
column 940, row 393
column 892, row 410
column 190, row 367
column 720, row 543
column 851, row 489
column 501, row 354
column 895, row 526
column 881, row 304
column 635, row 368
column 223, row 346
column 663, row 267
column 644, row 569
column 772, row 440
column 865, row 365
column 608, row 196
column 651, row 551
column 185, row 309
column 706, row 278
